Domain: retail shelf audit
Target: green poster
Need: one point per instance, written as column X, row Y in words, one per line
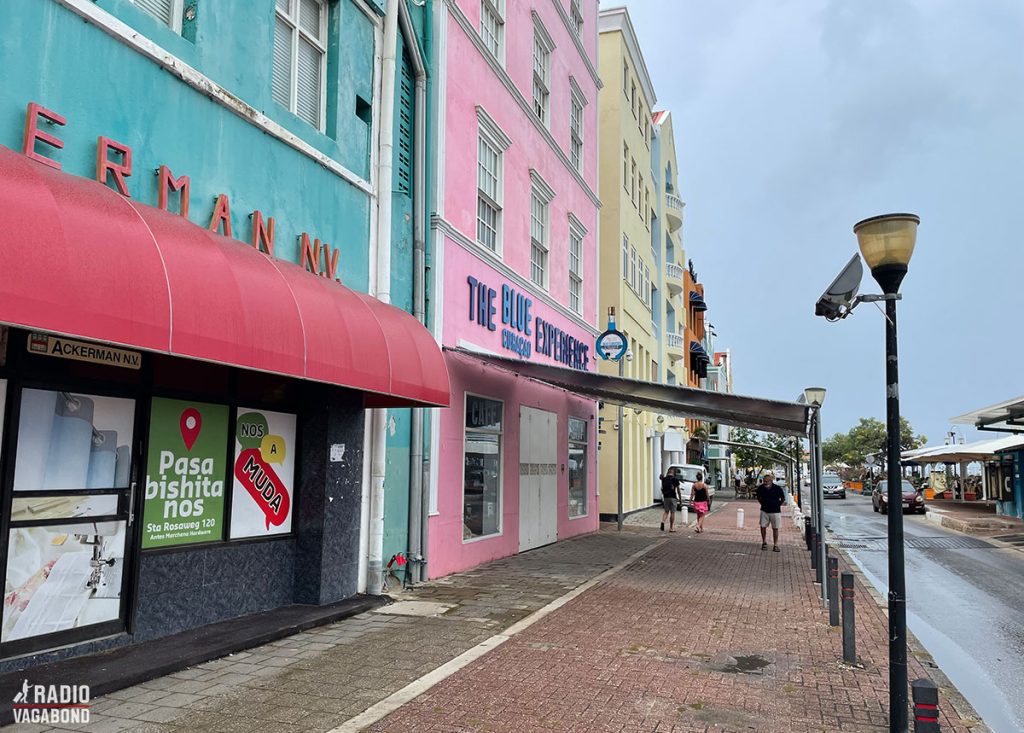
column 185, row 472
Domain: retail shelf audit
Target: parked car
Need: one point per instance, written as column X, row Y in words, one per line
column 832, row 487
column 913, row 499
column 687, row 475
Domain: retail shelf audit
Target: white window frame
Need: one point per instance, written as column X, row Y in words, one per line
column 501, row 465
column 496, row 8
column 585, row 444
column 632, row 268
column 291, row 19
column 542, row 194
column 625, row 258
column 494, row 137
column 576, row 18
column 543, row 47
column 625, row 167
column 577, row 233
column 576, row 124
column 625, row 78
column 175, row 22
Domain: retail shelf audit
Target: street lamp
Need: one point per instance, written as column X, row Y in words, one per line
column 887, row 243
column 815, row 396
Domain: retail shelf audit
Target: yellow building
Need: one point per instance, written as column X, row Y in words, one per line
column 628, row 264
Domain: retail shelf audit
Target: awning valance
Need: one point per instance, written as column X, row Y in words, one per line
column 79, row 259
column 1005, row 416
column 984, row 450
column 789, row 418
column 698, row 301
column 697, row 350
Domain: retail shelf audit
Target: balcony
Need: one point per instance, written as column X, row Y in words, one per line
column 674, row 211
column 676, row 346
column 674, row 278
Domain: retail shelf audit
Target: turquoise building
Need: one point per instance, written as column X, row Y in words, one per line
column 262, row 122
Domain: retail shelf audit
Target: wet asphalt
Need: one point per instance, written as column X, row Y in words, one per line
column 965, row 602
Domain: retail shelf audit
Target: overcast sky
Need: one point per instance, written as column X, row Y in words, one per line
column 794, row 119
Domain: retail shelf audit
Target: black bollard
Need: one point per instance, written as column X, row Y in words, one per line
column 814, row 555
column 849, row 622
column 807, row 532
column 926, row 706
column 819, row 571
column 833, row 591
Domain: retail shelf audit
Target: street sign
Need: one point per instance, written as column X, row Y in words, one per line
column 612, row 345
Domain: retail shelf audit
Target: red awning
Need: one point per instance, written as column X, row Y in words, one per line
column 77, row 258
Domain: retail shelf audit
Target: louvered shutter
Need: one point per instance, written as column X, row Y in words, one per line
column 162, row 10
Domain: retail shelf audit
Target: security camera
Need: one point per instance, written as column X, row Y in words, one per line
column 839, row 298
column 629, row 355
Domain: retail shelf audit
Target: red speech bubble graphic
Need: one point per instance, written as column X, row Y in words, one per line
column 263, row 485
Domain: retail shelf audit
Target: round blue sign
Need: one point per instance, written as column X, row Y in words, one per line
column 612, row 345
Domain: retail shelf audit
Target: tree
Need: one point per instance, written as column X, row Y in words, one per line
column 751, row 457
column 866, row 438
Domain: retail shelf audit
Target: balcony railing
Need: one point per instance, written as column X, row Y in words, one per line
column 674, row 202
column 675, row 341
column 674, row 211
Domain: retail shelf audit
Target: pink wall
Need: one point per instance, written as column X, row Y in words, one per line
column 470, row 81
column 449, row 553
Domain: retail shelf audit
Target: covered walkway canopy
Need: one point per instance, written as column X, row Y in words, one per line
column 788, row 418
column 983, row 450
column 1007, row 417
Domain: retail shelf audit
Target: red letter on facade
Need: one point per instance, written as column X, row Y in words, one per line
column 33, row 133
column 168, row 184
column 221, row 215
column 331, row 261
column 309, row 255
column 263, row 234
column 104, row 164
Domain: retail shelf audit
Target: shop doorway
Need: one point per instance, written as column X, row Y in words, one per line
column 538, row 478
column 71, row 473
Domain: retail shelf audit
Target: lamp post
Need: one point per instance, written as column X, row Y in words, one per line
column 815, row 396
column 887, row 243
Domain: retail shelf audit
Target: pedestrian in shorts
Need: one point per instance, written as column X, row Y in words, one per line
column 669, row 499
column 771, row 498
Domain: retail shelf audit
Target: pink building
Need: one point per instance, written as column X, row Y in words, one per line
column 515, row 242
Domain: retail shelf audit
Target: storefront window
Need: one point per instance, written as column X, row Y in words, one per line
column 73, row 441
column 264, row 473
column 66, row 548
column 577, row 467
column 481, row 499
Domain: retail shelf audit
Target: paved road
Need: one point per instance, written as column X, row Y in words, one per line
column 964, row 597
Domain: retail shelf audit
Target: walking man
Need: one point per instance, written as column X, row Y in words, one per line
column 771, row 498
column 669, row 498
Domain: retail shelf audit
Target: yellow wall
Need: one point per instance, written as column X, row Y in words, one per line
column 621, row 216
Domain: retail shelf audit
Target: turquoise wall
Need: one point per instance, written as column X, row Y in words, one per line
column 50, row 56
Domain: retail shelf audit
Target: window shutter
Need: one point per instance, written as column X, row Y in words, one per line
column 309, row 17
column 307, row 102
column 403, row 171
column 282, row 65
column 162, row 10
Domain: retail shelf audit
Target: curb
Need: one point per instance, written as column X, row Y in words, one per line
column 956, row 699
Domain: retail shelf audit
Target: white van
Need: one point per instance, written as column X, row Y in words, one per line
column 687, row 475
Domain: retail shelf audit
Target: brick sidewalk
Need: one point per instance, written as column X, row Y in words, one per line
column 704, row 633
column 315, row 680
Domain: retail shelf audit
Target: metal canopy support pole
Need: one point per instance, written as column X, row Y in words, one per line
column 818, row 498
column 812, row 505
column 622, row 429
column 799, row 486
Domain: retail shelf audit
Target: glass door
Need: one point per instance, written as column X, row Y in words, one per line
column 70, row 513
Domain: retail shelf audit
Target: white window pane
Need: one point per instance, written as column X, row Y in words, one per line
column 282, row 64
column 491, row 28
column 308, row 84
column 309, row 17
column 162, row 10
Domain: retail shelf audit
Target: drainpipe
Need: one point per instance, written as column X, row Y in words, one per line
column 417, row 498
column 375, row 561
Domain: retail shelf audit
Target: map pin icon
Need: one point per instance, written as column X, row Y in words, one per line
column 191, row 423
